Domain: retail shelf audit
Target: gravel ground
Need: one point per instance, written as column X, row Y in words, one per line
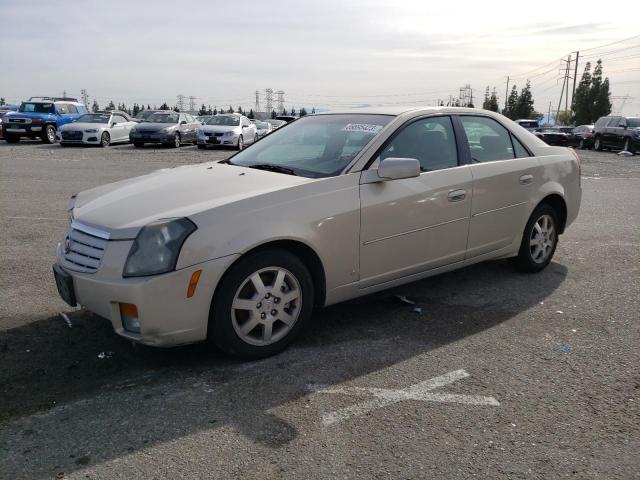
column 537, row 376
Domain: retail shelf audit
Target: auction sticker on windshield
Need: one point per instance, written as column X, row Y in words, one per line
column 362, row 127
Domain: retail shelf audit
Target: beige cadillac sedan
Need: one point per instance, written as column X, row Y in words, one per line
column 325, row 209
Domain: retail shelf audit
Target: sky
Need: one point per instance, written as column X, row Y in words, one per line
column 327, row 54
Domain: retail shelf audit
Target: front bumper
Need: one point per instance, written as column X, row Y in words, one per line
column 24, row 130
column 204, row 139
column 92, row 138
column 152, row 137
column 167, row 317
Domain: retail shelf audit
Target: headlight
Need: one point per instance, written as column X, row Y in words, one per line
column 157, row 246
column 91, row 130
column 228, row 134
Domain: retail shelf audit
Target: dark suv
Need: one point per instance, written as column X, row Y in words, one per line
column 617, row 133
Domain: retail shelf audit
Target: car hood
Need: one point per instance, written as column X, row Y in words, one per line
column 154, row 127
column 82, row 126
column 122, row 208
column 219, row 128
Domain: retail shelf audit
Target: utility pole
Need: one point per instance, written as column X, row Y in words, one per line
column 565, row 81
column 257, row 107
column 575, row 76
column 566, row 99
column 549, row 114
column 506, row 95
column 85, row 97
column 192, row 103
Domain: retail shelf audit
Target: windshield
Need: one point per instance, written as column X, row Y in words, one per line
column 144, row 114
column 633, row 122
column 527, row 124
column 163, row 118
column 94, row 118
column 262, row 125
column 32, row 107
column 316, row 146
column 225, row 120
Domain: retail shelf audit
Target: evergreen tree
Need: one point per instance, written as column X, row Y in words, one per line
column 123, row 107
column 240, row 110
column 485, row 102
column 142, row 107
column 149, row 107
column 136, row 109
column 273, row 114
column 203, row 110
column 111, row 106
column 209, row 111
column 293, row 112
column 493, row 101
column 2, row 101
column 581, row 105
column 95, row 107
column 313, row 111
column 512, row 103
column 524, row 105
column 215, row 110
column 284, row 111
column 176, row 109
column 164, row 106
column 303, row 112
column 251, row 114
column 230, row 109
column 600, row 94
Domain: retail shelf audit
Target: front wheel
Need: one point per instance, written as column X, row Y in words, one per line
column 105, row 140
column 539, row 240
column 627, row 146
column 262, row 303
column 240, row 145
column 202, row 147
column 581, row 144
column 49, row 135
column 597, row 144
column 176, row 141
column 12, row 138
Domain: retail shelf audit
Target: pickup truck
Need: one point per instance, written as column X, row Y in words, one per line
column 40, row 117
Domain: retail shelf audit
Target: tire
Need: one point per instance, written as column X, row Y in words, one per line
column 255, row 139
column 176, row 141
column 597, row 144
column 240, row 144
column 105, row 140
column 226, row 322
column 49, row 134
column 202, row 147
column 628, row 145
column 138, row 144
column 581, row 144
column 12, row 138
column 534, row 257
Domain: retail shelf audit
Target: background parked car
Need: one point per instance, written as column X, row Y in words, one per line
column 615, row 132
column 231, row 129
column 166, row 127
column 203, row 118
column 40, row 117
column 263, row 128
column 553, row 136
column 100, row 128
column 530, row 125
column 4, row 109
column 144, row 114
column 286, row 118
column 582, row 136
column 275, row 124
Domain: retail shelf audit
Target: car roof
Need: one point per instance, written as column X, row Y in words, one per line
column 399, row 110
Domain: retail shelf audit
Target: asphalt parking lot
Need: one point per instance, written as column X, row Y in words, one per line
column 500, row 375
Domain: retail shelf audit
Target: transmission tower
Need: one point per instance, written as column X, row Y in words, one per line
column 180, row 103
column 466, row 95
column 268, row 100
column 280, row 101
column 623, row 99
column 192, row 103
column 85, row 97
column 257, row 107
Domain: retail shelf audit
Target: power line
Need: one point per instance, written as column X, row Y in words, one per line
column 612, row 43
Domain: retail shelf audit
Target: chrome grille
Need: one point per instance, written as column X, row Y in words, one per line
column 84, row 248
column 18, row 120
column 71, row 135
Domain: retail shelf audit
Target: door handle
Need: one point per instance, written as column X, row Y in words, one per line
column 457, row 195
column 526, row 179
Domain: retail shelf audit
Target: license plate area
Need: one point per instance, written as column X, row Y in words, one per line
column 64, row 283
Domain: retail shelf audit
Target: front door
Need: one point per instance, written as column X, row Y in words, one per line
column 416, row 224
column 505, row 177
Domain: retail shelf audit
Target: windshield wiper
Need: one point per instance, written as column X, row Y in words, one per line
column 272, row 168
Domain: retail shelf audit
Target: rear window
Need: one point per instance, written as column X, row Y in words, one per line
column 602, row 121
column 633, row 122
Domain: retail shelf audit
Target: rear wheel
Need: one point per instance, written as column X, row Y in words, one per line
column 581, row 144
column 105, row 140
column 261, row 304
column 240, row 145
column 628, row 145
column 539, row 240
column 202, row 147
column 49, row 134
column 176, row 141
column 12, row 138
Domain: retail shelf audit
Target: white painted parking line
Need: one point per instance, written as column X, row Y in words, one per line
column 422, row 391
column 39, row 218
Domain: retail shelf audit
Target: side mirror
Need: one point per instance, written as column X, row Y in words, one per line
column 183, row 122
column 393, row 168
column 114, row 124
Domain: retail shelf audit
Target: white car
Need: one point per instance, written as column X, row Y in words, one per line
column 332, row 207
column 263, row 128
column 232, row 129
column 99, row 128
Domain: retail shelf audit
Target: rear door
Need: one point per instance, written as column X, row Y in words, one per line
column 505, row 177
column 416, row 224
column 610, row 132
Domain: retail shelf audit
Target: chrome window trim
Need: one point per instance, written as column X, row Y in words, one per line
column 96, row 232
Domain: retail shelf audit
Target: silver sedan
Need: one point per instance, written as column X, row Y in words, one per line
column 99, row 128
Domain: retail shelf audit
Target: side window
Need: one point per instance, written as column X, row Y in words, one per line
column 72, row 108
column 518, row 148
column 623, row 122
column 488, row 140
column 430, row 140
column 62, row 108
column 182, row 118
column 189, row 118
column 613, row 122
column 119, row 119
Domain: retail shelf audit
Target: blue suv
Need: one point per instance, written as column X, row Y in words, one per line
column 40, row 117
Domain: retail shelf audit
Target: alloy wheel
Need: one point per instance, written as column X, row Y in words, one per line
column 543, row 239
column 51, row 134
column 266, row 306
